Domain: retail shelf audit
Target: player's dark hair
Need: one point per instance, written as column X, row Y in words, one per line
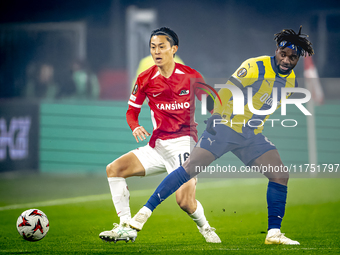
column 170, row 34
column 300, row 40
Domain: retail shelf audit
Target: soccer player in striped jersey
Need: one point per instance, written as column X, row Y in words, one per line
column 246, row 141
column 170, row 90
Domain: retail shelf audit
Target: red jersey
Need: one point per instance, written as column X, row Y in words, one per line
column 171, row 101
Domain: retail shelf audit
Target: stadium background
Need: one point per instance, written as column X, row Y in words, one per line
column 215, row 37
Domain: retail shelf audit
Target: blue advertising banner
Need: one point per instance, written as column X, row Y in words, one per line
column 19, row 135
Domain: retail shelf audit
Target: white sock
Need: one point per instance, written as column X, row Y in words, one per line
column 199, row 217
column 146, row 211
column 273, row 231
column 120, row 197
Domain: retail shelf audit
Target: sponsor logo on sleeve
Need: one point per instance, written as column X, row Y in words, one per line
column 135, row 89
column 242, row 72
column 132, row 98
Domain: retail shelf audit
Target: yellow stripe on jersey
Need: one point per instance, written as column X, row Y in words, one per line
column 262, row 76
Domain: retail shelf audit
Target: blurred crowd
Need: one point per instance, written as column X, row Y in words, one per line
column 80, row 82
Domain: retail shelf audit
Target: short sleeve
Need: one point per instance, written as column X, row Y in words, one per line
column 137, row 96
column 245, row 75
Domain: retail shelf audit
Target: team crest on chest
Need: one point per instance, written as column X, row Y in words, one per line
column 184, row 92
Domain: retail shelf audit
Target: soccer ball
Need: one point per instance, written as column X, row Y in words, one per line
column 33, row 225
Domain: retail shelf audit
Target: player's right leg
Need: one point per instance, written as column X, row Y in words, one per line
column 185, row 197
column 121, row 168
column 276, row 196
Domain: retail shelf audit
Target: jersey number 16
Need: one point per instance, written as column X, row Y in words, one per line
column 183, row 158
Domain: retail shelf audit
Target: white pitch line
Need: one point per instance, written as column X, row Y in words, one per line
column 62, row 201
column 135, row 193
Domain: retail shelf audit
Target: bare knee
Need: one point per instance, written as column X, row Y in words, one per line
column 280, row 178
column 114, row 169
column 125, row 166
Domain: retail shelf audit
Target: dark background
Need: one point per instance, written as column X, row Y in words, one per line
column 215, row 36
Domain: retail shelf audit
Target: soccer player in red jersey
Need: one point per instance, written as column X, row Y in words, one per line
column 169, row 89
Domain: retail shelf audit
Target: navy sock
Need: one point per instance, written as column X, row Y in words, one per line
column 169, row 185
column 276, row 200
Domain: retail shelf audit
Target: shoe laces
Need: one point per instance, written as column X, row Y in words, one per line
column 209, row 230
column 281, row 236
column 115, row 225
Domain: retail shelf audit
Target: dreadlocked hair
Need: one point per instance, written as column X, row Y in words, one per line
column 300, row 40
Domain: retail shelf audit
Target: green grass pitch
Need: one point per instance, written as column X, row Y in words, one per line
column 80, row 207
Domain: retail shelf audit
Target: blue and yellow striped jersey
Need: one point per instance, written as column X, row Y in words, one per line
column 262, row 75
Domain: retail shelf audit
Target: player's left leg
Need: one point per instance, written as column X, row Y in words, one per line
column 139, row 162
column 185, row 197
column 273, row 169
column 117, row 171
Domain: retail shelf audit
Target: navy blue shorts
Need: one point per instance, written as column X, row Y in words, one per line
column 226, row 139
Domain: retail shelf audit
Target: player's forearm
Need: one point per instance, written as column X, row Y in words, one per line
column 132, row 117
